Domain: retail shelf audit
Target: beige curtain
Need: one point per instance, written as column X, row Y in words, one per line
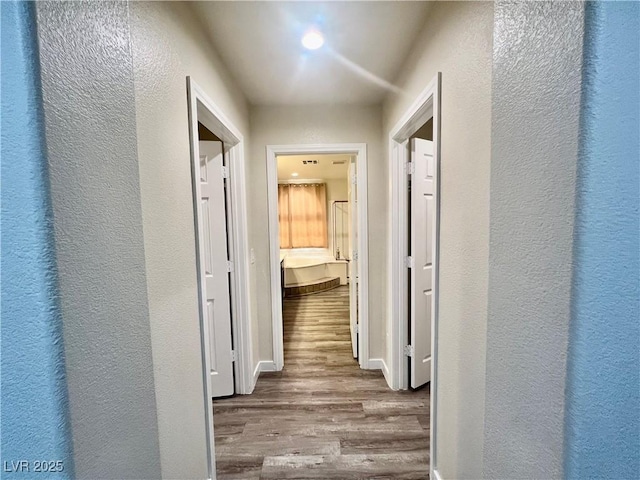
column 303, row 215
column 283, row 216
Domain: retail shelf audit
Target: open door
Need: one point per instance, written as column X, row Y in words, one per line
column 353, row 253
column 214, row 267
column 422, row 277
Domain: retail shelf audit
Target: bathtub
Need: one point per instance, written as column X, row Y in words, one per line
column 307, row 270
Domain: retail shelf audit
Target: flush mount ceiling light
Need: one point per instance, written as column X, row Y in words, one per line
column 294, row 174
column 312, row 39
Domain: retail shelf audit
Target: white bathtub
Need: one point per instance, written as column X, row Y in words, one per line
column 306, row 270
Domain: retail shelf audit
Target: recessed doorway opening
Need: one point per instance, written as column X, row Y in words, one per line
column 218, row 185
column 314, row 258
column 317, row 219
column 414, row 149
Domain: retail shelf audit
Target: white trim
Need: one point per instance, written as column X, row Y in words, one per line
column 376, row 363
column 398, row 284
column 256, row 373
column 380, row 364
column 267, row 366
column 275, row 261
column 427, row 105
column 435, row 474
column 203, row 109
column 242, row 324
column 360, row 150
column 263, row 366
column 385, row 372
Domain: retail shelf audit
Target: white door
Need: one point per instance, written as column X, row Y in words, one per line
column 353, row 254
column 423, row 253
column 214, row 268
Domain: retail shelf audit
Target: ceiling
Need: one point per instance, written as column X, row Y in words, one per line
column 366, row 44
column 324, row 170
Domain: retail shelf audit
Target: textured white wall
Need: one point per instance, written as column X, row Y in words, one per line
column 88, row 91
column 536, row 102
column 457, row 40
column 312, row 125
column 168, row 44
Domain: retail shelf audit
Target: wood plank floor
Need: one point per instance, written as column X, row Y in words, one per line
column 322, row 417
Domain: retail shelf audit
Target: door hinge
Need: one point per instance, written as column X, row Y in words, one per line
column 233, row 356
column 355, row 256
column 230, row 266
column 225, row 171
column 357, row 329
column 408, row 262
column 408, row 351
column 411, row 168
column 354, row 179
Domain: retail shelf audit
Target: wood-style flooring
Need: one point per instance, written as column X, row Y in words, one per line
column 322, row 417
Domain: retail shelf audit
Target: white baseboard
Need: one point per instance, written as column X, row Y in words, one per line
column 387, row 374
column 262, row 366
column 380, row 364
column 267, row 366
column 436, row 475
column 256, row 374
column 375, row 364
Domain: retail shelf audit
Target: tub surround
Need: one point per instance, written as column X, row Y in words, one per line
column 303, row 271
column 307, row 271
column 321, row 285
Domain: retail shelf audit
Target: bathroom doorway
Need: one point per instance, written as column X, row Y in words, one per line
column 317, row 224
column 314, row 258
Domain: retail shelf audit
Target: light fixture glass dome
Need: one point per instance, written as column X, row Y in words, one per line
column 312, row 39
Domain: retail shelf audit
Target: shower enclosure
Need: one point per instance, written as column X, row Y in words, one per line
column 340, row 230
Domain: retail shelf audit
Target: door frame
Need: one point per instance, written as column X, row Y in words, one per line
column 202, row 108
column 425, row 106
column 360, row 151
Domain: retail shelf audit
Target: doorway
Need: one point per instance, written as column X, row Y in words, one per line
column 317, row 219
column 218, row 185
column 358, row 269
column 322, row 415
column 415, row 172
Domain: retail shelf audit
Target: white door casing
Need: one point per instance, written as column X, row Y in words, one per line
column 214, row 267
column 423, row 254
column 353, row 253
column 202, row 109
column 426, row 105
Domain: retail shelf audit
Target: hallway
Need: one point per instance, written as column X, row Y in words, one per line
column 322, row 416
